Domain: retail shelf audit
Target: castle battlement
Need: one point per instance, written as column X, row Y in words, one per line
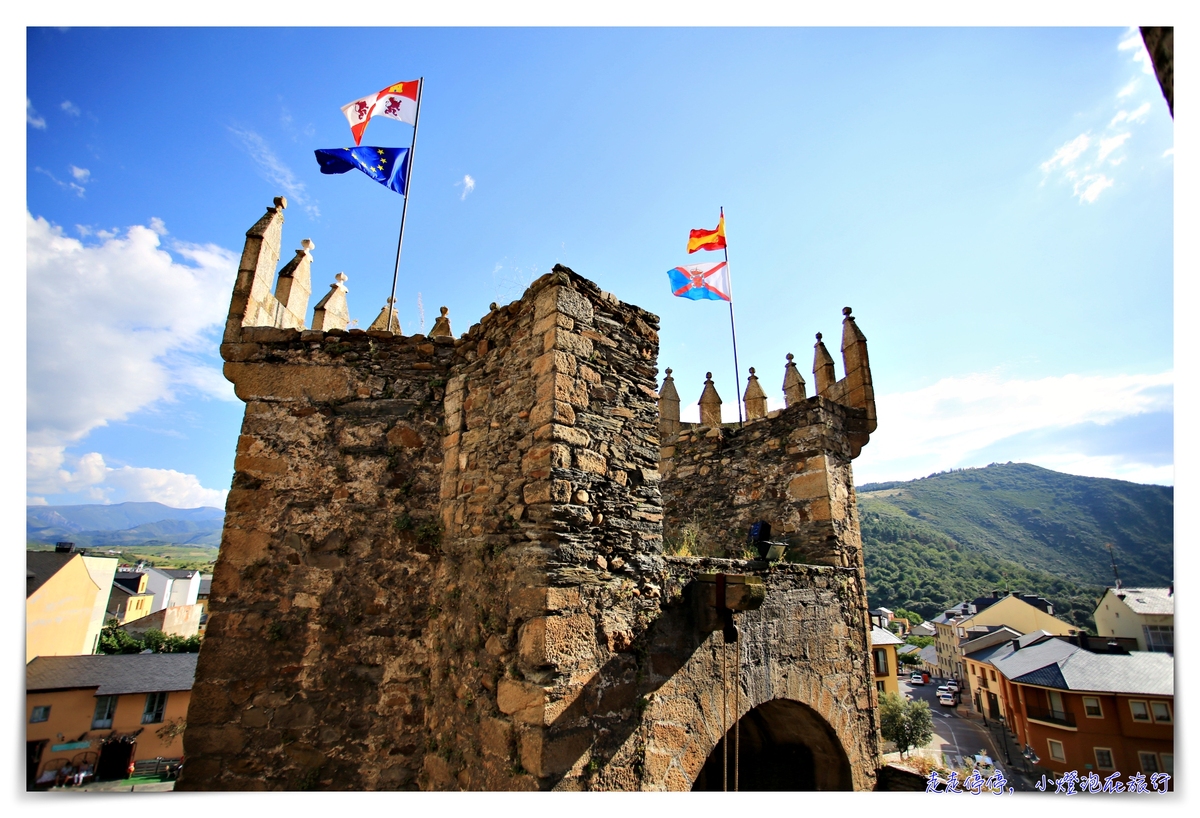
column 443, row 567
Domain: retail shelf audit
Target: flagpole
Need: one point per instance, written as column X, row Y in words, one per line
column 737, row 373
column 404, row 210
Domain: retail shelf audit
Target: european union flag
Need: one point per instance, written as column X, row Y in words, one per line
column 387, row 166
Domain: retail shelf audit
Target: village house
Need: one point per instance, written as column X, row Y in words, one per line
column 104, row 712
column 1073, row 709
column 1144, row 614
column 1025, row 613
column 883, row 660
column 129, row 599
column 66, row 593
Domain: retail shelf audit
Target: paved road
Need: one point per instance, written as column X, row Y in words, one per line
column 956, row 738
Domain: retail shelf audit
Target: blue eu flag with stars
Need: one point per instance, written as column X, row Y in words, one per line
column 387, row 166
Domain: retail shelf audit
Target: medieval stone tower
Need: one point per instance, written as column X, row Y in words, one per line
column 443, row 559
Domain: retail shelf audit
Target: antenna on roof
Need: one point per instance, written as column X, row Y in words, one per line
column 1116, row 576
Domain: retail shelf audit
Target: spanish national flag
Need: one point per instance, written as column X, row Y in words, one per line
column 708, row 239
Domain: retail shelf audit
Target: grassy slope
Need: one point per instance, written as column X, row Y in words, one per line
column 935, row 541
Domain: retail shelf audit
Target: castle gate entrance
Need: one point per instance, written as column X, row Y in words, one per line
column 784, row 746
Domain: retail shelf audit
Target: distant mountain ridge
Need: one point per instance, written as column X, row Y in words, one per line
column 124, row 524
column 932, row 542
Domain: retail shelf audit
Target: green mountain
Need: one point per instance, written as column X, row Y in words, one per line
column 933, row 542
column 124, row 524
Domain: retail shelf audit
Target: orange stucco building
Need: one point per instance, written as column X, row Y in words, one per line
column 105, row 710
column 1074, row 709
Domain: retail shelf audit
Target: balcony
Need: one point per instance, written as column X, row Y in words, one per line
column 1055, row 718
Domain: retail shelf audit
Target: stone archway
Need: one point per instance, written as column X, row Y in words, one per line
column 784, row 746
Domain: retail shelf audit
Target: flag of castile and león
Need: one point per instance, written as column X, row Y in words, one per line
column 397, row 101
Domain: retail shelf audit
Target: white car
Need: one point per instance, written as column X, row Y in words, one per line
column 917, row 679
column 942, row 689
column 952, row 686
column 947, row 699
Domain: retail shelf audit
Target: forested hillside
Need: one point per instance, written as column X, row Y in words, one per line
column 933, row 542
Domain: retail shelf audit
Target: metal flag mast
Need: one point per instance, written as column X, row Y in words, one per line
column 404, row 210
column 737, row 373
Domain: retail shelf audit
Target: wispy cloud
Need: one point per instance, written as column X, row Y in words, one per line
column 32, row 118
column 1109, row 145
column 1089, row 188
column 82, row 175
column 70, row 107
column 273, row 169
column 1065, row 156
column 982, row 418
column 76, row 188
column 1070, row 163
column 468, row 184
column 1132, row 41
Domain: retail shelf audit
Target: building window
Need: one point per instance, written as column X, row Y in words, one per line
column 1149, row 762
column 1139, row 710
column 103, row 717
column 993, row 673
column 1168, row 763
column 1104, row 759
column 881, row 663
column 156, row 704
column 40, row 714
column 1159, row 638
column 879, row 686
column 1161, row 712
column 1091, row 707
column 1056, row 750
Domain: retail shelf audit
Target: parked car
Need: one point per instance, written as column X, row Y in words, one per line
column 942, row 689
column 916, row 679
column 947, row 699
column 952, row 685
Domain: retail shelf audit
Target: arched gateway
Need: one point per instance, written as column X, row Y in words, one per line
column 446, row 561
column 778, row 746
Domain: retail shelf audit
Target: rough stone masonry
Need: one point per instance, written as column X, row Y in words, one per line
column 443, row 558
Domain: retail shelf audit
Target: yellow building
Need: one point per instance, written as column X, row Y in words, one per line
column 883, row 660
column 105, row 711
column 65, row 598
column 1144, row 614
column 130, row 599
column 1023, row 613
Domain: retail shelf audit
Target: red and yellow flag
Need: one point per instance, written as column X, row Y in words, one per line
column 707, row 239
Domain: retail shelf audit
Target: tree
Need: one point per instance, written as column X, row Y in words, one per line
column 908, row 724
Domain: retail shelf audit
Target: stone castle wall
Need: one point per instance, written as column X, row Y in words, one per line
column 442, row 559
column 791, row 469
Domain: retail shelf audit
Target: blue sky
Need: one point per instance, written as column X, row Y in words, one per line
column 994, row 203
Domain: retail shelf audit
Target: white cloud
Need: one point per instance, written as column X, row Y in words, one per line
column 274, row 170
column 468, row 184
column 97, row 481
column 940, row 426
column 1132, row 41
column 1169, row 152
column 1067, row 154
column 79, row 190
column 113, row 327
column 1089, row 188
column 1128, row 89
column 82, row 175
column 1139, row 113
column 32, row 117
column 157, row 225
column 1109, row 145
column 70, row 107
